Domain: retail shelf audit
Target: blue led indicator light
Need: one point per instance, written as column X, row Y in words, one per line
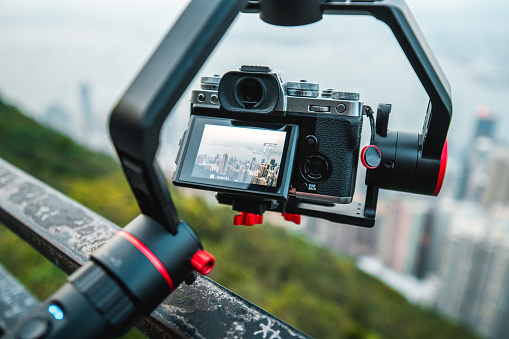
column 56, row 312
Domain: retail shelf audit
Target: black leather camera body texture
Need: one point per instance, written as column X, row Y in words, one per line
column 327, row 155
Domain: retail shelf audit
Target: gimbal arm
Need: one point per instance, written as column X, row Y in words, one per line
column 136, row 121
column 397, row 16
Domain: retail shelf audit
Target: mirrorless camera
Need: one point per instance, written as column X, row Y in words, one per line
column 253, row 135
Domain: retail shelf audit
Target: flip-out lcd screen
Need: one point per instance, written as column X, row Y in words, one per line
column 225, row 155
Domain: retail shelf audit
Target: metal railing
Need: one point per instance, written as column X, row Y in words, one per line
column 66, row 233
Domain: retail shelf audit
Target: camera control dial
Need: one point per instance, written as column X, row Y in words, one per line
column 210, row 83
column 327, row 93
column 302, row 89
column 345, row 96
column 316, row 168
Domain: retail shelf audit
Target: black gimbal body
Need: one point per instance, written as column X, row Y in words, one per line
column 142, row 264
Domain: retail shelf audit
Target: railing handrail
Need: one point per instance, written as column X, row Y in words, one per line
column 16, row 301
column 66, row 233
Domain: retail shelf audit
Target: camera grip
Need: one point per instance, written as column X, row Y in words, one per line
column 339, row 141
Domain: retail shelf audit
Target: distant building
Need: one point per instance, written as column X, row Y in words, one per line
column 406, row 237
column 58, row 118
column 86, row 103
column 472, row 180
column 224, row 163
column 485, row 124
column 425, row 244
column 393, row 242
column 497, row 186
column 466, row 231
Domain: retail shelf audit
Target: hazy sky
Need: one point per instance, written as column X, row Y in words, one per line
column 47, row 48
column 228, row 135
column 242, row 143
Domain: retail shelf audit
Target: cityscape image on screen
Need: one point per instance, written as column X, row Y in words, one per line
column 240, row 154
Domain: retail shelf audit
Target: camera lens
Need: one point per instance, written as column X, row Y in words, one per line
column 250, row 92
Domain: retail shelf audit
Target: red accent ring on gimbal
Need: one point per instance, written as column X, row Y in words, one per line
column 149, row 255
column 441, row 173
column 363, row 156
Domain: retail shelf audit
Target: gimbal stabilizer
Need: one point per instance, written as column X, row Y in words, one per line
column 143, row 263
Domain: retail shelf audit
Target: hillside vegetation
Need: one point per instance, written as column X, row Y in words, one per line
column 319, row 292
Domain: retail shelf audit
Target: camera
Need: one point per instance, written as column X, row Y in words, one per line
column 255, row 137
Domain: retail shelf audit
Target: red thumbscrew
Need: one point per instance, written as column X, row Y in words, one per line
column 292, row 217
column 247, row 219
column 203, row 262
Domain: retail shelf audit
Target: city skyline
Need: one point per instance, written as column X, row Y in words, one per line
column 227, row 168
column 242, row 142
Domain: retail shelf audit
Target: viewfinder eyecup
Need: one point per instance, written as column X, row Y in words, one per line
column 248, row 92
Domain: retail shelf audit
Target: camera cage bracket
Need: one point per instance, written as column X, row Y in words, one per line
column 136, row 120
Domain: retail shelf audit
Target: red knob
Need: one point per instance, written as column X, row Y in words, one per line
column 247, row 219
column 203, row 262
column 292, row 217
column 371, row 157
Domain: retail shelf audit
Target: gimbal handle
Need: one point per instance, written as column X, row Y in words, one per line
column 136, row 121
column 125, row 279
